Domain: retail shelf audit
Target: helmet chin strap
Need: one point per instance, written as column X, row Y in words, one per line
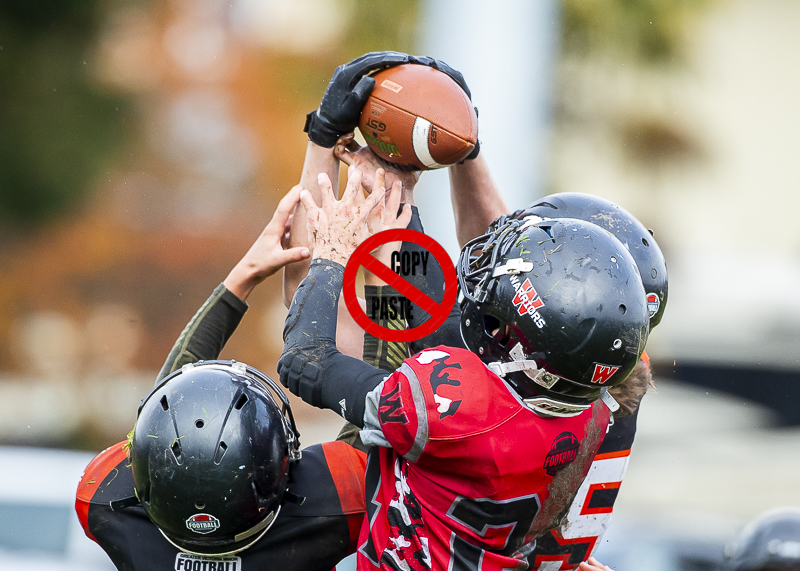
column 608, row 400
column 551, row 407
column 501, row 369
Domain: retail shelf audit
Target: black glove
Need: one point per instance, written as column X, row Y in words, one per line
column 350, row 88
column 346, row 95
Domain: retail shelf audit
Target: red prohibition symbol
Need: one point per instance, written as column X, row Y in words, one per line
column 437, row 311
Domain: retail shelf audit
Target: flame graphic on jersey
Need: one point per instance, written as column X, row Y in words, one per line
column 527, row 299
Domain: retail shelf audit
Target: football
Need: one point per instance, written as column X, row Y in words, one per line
column 418, row 118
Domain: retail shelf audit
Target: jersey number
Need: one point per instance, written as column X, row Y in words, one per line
column 503, row 521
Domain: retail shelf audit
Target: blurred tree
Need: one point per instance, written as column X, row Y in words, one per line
column 650, row 31
column 57, row 128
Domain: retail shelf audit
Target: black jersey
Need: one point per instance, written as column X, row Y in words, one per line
column 312, row 536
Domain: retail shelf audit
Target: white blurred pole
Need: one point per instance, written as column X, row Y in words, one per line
column 506, row 50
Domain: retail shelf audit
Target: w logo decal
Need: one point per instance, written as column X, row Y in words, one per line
column 602, row 373
column 527, row 299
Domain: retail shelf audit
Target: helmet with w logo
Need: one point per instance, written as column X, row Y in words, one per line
column 625, row 227
column 556, row 307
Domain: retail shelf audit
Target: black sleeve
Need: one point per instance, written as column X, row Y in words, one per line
column 432, row 283
column 311, row 367
column 207, row 332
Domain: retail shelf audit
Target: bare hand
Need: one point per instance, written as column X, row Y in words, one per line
column 385, row 217
column 268, row 254
column 593, row 564
column 340, row 226
column 351, row 154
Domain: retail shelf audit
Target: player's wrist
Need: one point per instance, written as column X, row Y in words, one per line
column 241, row 281
column 321, row 132
column 332, row 255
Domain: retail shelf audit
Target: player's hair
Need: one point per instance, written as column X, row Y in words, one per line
column 629, row 394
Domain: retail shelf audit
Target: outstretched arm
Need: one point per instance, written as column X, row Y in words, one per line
column 311, row 366
column 336, row 116
column 476, row 198
column 318, row 160
column 210, row 328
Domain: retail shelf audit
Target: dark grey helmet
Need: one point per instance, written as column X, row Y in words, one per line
column 211, row 453
column 771, row 542
column 625, row 227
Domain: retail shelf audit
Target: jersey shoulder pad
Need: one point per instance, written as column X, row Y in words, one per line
column 442, row 393
column 95, row 473
column 330, row 477
column 347, row 467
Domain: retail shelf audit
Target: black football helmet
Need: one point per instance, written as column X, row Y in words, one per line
column 556, row 307
column 210, row 454
column 771, row 542
column 622, row 224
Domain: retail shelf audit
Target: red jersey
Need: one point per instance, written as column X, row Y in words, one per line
column 473, row 474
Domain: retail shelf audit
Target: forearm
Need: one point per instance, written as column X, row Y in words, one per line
column 386, row 355
column 207, row 332
column 432, row 283
column 318, row 160
column 476, row 198
column 311, row 367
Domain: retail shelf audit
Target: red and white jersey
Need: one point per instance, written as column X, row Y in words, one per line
column 472, row 474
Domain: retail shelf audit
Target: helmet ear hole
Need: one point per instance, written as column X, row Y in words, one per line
column 491, row 325
column 496, row 329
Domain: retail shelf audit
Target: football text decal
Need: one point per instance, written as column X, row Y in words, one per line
column 562, row 452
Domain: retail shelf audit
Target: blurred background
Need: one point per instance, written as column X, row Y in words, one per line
column 144, row 145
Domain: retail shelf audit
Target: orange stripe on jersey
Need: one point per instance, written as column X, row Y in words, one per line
column 609, row 455
column 645, row 357
column 95, row 473
column 347, row 466
column 592, row 489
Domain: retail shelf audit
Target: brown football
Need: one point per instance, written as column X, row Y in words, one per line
column 418, row 118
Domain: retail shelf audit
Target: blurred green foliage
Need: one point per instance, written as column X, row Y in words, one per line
column 373, row 25
column 648, row 31
column 57, row 128
column 383, row 26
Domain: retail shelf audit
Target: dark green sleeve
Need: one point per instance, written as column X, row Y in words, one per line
column 207, row 332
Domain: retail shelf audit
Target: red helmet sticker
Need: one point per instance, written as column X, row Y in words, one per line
column 202, row 523
column 527, row 300
column 653, row 303
column 603, row 372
